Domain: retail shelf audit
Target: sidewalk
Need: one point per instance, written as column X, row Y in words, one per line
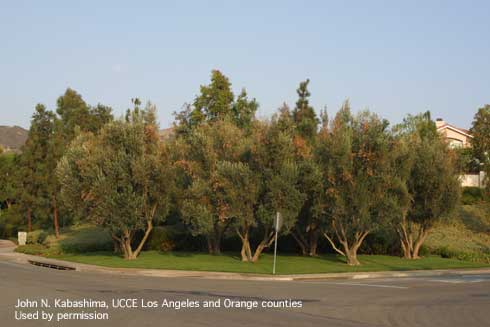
column 7, row 254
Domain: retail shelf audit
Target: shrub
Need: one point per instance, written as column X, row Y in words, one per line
column 424, row 251
column 41, row 239
column 11, row 222
column 471, row 195
column 384, row 241
column 449, row 253
column 37, row 237
column 87, row 239
column 445, row 252
column 32, row 249
column 162, row 238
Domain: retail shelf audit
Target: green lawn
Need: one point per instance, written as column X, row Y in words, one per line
column 466, row 237
column 285, row 264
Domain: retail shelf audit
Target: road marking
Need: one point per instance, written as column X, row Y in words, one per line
column 372, row 285
column 456, row 281
column 361, row 284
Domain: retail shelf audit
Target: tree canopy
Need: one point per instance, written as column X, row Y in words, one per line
column 120, row 178
column 431, row 181
column 225, row 175
column 357, row 172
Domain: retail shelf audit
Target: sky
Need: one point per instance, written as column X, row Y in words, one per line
column 391, row 57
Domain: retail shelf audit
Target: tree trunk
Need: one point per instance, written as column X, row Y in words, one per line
column 246, row 252
column 308, row 241
column 126, row 239
column 29, row 220
column 407, row 249
column 149, row 227
column 300, row 241
column 55, row 219
column 214, row 239
column 351, row 256
column 128, row 251
column 313, row 243
column 264, row 244
column 418, row 244
column 258, row 251
column 349, row 250
column 409, row 243
column 214, row 246
column 116, row 246
column 210, row 245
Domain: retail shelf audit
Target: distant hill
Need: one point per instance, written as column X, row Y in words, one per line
column 12, row 137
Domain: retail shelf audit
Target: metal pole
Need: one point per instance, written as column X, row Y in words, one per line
column 275, row 247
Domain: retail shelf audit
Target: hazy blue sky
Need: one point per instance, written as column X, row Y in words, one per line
column 393, row 57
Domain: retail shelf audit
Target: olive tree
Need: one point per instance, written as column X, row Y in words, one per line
column 431, row 180
column 207, row 153
column 120, row 179
column 238, row 188
column 273, row 160
column 356, row 166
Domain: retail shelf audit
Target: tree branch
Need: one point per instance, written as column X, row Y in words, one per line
column 333, row 244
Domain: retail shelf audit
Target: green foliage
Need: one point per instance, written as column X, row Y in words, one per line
column 203, row 156
column 304, row 115
column 309, row 222
column 273, row 158
column 7, row 179
column 216, row 101
column 32, row 249
column 86, row 240
column 480, row 130
column 471, row 195
column 121, row 179
column 75, row 240
column 37, row 237
column 433, row 183
column 237, row 187
column 243, row 110
column 382, row 241
column 450, row 253
column 352, row 180
column 167, row 238
column 75, row 114
column 464, row 234
column 11, row 222
column 466, row 161
column 36, row 163
column 431, row 179
column 357, row 168
column 36, row 185
column 161, row 239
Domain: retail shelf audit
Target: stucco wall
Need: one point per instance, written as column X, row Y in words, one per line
column 472, row 180
column 452, row 135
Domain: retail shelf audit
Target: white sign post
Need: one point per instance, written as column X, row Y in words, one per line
column 22, row 238
column 277, row 227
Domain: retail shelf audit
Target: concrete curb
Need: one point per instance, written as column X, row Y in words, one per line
column 65, row 265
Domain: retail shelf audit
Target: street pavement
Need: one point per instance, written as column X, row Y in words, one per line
column 420, row 301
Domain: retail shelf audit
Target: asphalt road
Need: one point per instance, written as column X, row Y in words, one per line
column 435, row 301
